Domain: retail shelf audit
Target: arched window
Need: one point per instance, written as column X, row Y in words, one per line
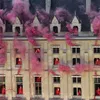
column 8, row 26
column 17, row 29
column 18, row 61
column 1, row 30
column 55, row 29
column 75, row 29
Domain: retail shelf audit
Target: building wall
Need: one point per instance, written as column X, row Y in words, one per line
column 65, row 55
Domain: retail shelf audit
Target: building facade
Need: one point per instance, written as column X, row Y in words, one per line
column 24, row 84
column 28, row 85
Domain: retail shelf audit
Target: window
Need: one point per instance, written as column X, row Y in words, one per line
column 55, row 50
column 38, row 86
column 19, row 83
column 18, row 61
column 55, row 29
column 2, row 85
column 17, row 29
column 76, row 60
column 56, row 90
column 56, row 79
column 75, row 29
column 75, row 50
column 8, row 26
column 76, row 79
column 97, row 86
column 37, row 50
column 96, row 50
column 56, row 61
column 77, row 91
column 96, row 61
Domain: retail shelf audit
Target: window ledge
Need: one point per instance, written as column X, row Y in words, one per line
column 19, row 95
column 17, row 66
column 2, row 95
column 37, row 96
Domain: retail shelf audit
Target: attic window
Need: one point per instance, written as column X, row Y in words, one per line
column 17, row 29
column 75, row 29
column 55, row 29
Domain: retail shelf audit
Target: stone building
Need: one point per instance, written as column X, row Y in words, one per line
column 47, row 86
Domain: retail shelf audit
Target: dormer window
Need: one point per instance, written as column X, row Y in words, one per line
column 75, row 29
column 18, row 61
column 17, row 29
column 55, row 29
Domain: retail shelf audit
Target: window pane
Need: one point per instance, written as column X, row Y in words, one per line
column 73, row 50
column 79, row 92
column 79, row 79
column 74, row 61
column 37, row 79
column 56, row 79
column 78, row 60
column 74, row 79
column 56, row 61
column 18, row 79
column 74, row 91
column 57, row 91
column 94, row 50
column 95, row 80
column 97, row 89
column 55, row 50
column 78, row 50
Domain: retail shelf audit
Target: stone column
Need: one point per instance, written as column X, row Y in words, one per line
column 88, row 5
column 48, row 6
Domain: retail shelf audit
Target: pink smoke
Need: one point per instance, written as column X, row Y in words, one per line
column 36, row 65
column 2, row 59
column 96, row 25
column 79, row 68
column 62, row 14
column 52, row 72
column 64, row 68
column 3, row 49
column 20, row 46
column 69, row 40
column 11, row 17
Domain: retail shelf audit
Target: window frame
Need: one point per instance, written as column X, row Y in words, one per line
column 76, row 50
column 39, row 84
column 17, row 83
column 3, row 83
column 55, row 91
column 56, row 50
column 77, row 88
column 96, row 83
column 76, row 78
column 57, row 80
column 76, row 61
